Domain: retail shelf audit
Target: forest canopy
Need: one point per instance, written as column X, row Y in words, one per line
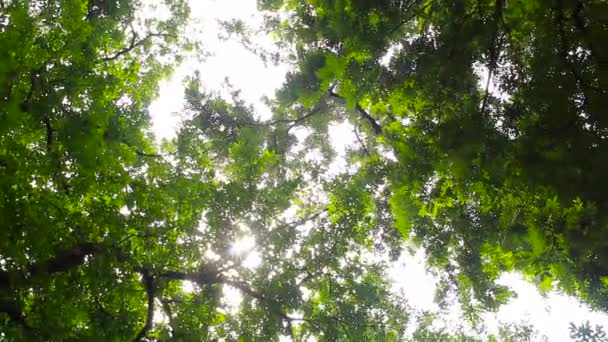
column 478, row 139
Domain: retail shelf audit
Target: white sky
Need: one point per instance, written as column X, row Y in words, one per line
column 246, row 72
column 228, row 59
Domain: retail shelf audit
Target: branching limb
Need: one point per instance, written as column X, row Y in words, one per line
column 291, row 122
column 149, row 286
column 49, row 133
column 486, row 94
column 134, row 44
column 290, row 330
column 60, row 263
column 365, row 115
column 320, row 262
column 202, row 277
column 69, row 259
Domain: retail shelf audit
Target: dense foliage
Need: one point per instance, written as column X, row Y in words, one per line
column 108, row 236
column 496, row 114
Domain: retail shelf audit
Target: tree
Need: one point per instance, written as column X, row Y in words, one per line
column 495, row 113
column 108, row 237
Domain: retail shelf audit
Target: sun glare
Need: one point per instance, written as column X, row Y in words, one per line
column 245, row 244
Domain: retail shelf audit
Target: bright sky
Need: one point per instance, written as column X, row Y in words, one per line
column 551, row 315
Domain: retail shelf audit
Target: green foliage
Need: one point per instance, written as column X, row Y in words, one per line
column 495, row 112
column 108, row 236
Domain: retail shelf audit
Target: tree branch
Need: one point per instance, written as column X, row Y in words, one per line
column 68, row 260
column 60, row 263
column 134, row 44
column 292, row 122
column 148, row 281
column 486, row 94
column 579, row 23
column 365, row 115
column 410, row 17
column 154, row 155
column 14, row 314
column 560, row 17
column 148, row 155
column 63, row 262
column 49, row 133
column 167, row 309
column 365, row 150
column 246, row 289
column 320, row 263
column 203, row 277
column 243, row 287
column 495, row 47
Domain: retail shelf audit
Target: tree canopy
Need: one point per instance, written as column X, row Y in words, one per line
column 493, row 110
column 479, row 138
